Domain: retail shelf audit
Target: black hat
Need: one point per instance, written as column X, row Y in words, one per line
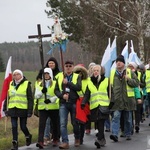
column 69, row 62
column 120, row 58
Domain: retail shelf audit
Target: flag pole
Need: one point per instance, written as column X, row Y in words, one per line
column 62, row 60
column 5, row 88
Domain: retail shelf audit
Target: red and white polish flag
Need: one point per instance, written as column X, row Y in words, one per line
column 5, row 87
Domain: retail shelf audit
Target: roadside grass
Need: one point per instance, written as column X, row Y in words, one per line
column 32, row 124
column 6, row 135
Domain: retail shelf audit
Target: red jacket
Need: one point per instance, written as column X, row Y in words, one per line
column 81, row 114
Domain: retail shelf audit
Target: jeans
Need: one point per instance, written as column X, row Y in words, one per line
column 127, row 122
column 107, row 124
column 23, row 123
column 47, row 128
column 64, row 110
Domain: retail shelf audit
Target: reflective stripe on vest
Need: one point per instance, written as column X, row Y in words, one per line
column 147, row 81
column 139, row 75
column 139, row 78
column 60, row 78
column 84, row 84
column 50, row 93
column 18, row 98
column 130, row 91
column 98, row 96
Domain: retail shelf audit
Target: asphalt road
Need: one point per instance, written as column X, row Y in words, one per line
column 139, row 141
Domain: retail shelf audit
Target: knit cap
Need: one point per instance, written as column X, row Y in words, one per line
column 133, row 64
column 120, row 58
column 18, row 71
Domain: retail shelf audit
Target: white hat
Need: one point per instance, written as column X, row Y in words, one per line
column 18, row 71
column 91, row 64
column 133, row 64
column 49, row 70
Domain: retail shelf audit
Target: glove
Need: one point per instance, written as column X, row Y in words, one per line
column 82, row 106
column 53, row 99
column 44, row 90
column 29, row 115
column 111, row 105
column 47, row 101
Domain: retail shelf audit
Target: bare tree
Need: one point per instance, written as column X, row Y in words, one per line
column 93, row 21
column 129, row 17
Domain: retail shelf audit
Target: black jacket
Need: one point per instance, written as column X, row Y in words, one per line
column 73, row 96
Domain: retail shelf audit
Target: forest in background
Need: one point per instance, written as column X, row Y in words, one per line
column 26, row 56
column 126, row 19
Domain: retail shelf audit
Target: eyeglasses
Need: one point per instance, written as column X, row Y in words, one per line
column 68, row 66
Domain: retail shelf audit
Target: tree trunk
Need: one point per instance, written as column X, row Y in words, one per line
column 140, row 32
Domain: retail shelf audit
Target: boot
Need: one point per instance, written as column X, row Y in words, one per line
column 97, row 144
column 28, row 140
column 137, row 129
column 40, row 145
column 64, row 146
column 77, row 142
column 102, row 142
column 15, row 145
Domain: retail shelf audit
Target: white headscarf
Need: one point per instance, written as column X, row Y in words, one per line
column 49, row 70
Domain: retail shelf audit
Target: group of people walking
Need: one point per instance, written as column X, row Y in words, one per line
column 86, row 94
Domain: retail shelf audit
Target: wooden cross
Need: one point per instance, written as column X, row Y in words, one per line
column 40, row 36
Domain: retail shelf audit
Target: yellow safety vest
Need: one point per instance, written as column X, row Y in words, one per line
column 84, row 84
column 18, row 98
column 139, row 75
column 147, row 81
column 98, row 96
column 60, row 78
column 130, row 91
column 50, row 93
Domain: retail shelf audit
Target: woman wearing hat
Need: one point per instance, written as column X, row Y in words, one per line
column 48, row 106
column 19, row 105
column 53, row 64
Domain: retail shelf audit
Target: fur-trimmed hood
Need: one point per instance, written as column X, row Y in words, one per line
column 81, row 69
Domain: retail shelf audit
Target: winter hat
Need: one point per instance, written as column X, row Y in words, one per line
column 80, row 68
column 133, row 64
column 69, row 62
column 141, row 67
column 18, row 71
column 82, row 65
column 120, row 58
column 56, row 69
column 49, row 70
column 91, row 64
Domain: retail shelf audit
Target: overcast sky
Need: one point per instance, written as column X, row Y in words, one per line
column 19, row 18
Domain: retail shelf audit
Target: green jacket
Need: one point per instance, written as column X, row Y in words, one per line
column 137, row 93
column 119, row 92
